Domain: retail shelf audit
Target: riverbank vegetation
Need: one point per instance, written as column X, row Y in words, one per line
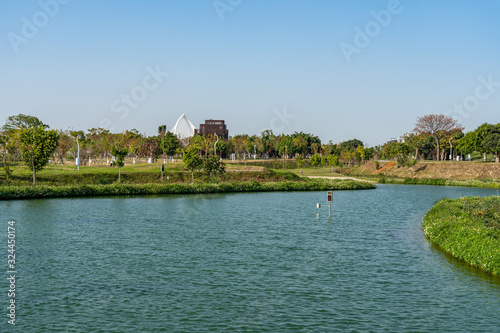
column 440, row 182
column 48, row 191
column 467, row 228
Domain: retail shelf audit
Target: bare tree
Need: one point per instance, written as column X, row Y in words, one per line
column 436, row 125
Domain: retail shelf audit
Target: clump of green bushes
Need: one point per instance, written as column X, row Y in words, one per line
column 406, row 161
column 467, row 228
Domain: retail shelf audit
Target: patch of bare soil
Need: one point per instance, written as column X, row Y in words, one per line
column 239, row 168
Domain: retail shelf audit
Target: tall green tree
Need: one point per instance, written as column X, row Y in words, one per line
column 268, row 142
column 315, row 160
column 369, row 153
column 250, row 143
column 37, row 146
column 334, row 161
column 300, row 163
column 350, row 145
column 438, row 126
column 474, row 141
column 285, row 145
column 150, row 147
column 191, row 159
column 492, row 142
column 22, row 121
column 162, row 129
column 4, row 140
column 169, row 144
column 222, row 147
column 393, row 149
column 300, row 144
column 120, row 154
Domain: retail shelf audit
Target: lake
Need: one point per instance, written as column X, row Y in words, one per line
column 251, row 262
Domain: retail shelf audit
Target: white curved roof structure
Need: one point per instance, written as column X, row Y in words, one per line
column 183, row 128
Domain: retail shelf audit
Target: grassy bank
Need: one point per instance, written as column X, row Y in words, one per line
column 467, row 228
column 441, row 182
column 47, row 191
column 432, row 173
column 392, row 178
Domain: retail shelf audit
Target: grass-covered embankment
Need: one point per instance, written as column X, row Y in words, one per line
column 446, row 173
column 439, row 182
column 47, row 191
column 468, row 228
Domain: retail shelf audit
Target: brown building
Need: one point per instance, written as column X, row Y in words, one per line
column 213, row 127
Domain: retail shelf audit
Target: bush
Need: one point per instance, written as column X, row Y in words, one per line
column 213, row 165
column 406, row 161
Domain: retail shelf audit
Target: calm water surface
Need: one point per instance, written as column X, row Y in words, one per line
column 258, row 262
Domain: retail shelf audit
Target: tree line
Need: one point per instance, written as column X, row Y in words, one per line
column 26, row 138
column 96, row 144
column 438, row 137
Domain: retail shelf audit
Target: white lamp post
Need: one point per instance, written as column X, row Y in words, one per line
column 215, row 144
column 78, row 156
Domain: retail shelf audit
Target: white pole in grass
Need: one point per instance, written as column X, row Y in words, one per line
column 451, row 150
column 215, row 144
column 78, row 156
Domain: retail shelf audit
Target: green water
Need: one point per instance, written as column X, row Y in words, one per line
column 255, row 262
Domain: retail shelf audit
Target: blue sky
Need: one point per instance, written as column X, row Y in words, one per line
column 258, row 64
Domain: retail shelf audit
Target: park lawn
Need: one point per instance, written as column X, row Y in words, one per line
column 141, row 173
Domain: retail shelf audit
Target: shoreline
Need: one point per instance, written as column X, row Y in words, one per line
column 440, row 182
column 468, row 229
column 86, row 190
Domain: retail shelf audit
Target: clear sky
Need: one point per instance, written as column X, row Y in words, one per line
column 338, row 69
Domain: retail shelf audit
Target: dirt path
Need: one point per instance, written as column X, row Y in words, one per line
column 341, row 177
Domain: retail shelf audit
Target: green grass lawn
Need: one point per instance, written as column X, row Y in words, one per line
column 467, row 228
column 19, row 168
column 56, row 174
column 142, row 173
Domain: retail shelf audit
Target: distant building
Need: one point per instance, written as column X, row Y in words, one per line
column 183, row 128
column 211, row 126
column 402, row 139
